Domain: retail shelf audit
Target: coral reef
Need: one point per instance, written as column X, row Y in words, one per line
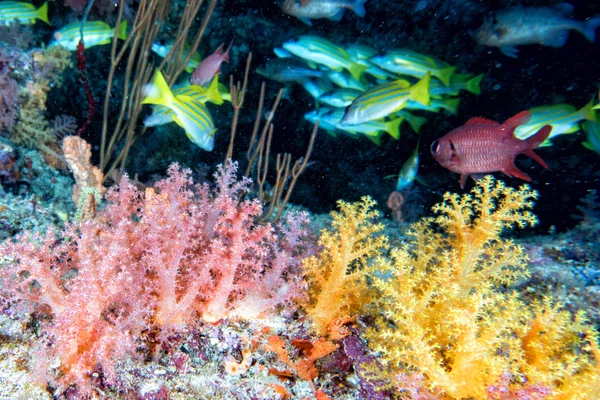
column 447, row 317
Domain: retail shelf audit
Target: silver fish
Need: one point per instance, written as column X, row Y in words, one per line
column 305, row 10
column 548, row 26
column 286, row 70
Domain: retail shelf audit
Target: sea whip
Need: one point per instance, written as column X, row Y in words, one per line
column 82, row 75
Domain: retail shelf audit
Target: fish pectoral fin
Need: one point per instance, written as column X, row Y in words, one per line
column 305, row 20
column 515, row 172
column 337, row 17
column 510, row 51
column 463, row 180
column 556, row 39
column 477, row 177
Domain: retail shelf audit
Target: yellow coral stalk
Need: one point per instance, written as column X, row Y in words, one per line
column 337, row 276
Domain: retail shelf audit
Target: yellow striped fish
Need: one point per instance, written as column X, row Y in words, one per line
column 24, row 13
column 163, row 115
column 564, row 118
column 457, row 83
column 318, row 50
column 188, row 113
column 163, row 49
column 94, row 34
column 382, row 100
column 408, row 62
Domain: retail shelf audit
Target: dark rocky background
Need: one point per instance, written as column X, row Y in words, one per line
column 347, row 168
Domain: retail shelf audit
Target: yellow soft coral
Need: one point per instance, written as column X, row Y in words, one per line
column 337, row 276
column 448, row 316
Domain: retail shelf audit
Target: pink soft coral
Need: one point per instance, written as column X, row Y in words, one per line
column 149, row 265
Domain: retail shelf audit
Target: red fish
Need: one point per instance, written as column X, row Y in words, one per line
column 482, row 146
column 210, row 66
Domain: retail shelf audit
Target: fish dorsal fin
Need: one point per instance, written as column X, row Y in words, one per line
column 521, row 118
column 564, row 8
column 481, row 120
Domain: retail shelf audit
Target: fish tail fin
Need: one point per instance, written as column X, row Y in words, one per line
column 451, row 105
column 359, row 8
column 224, row 92
column 588, row 112
column 122, row 30
column 420, row 91
column 588, row 28
column 414, row 121
column 158, row 91
column 212, row 92
column 42, row 13
column 356, row 70
column 444, row 74
column 534, row 141
column 393, row 127
column 473, row 84
column 375, row 137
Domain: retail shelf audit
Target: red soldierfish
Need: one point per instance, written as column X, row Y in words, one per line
column 482, row 146
column 210, row 66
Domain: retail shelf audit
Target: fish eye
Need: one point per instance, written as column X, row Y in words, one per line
column 435, row 148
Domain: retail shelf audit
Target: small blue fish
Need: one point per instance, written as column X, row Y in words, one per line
column 409, row 170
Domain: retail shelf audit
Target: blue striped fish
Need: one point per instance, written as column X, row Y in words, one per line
column 382, row 100
column 450, row 105
column 163, row 115
column 592, row 130
column 188, row 113
column 340, row 97
column 564, row 118
column 318, row 50
column 457, row 83
column 162, row 49
column 24, row 13
column 408, row 62
column 94, row 33
column 361, row 54
column 330, row 120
